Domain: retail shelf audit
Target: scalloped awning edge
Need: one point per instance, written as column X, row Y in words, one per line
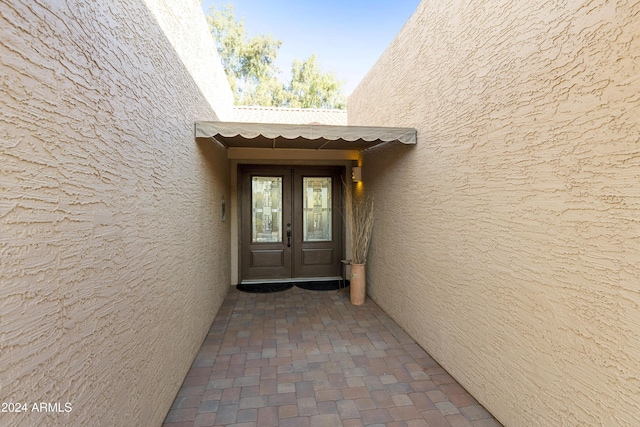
column 309, row 136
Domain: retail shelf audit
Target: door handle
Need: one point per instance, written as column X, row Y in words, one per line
column 288, row 235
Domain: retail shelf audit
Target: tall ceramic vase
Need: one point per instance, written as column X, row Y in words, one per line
column 357, row 286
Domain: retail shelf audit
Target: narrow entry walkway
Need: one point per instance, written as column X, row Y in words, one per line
column 308, row 358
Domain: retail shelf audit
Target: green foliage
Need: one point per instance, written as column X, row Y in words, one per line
column 311, row 88
column 249, row 63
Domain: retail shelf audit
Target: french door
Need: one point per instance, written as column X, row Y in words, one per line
column 291, row 226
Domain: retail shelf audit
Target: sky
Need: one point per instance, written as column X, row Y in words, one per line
column 347, row 36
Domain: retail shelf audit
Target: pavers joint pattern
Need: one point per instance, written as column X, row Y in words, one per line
column 304, row 358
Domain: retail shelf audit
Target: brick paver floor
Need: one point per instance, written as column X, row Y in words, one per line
column 307, row 358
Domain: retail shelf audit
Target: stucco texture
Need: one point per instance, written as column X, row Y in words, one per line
column 113, row 255
column 507, row 241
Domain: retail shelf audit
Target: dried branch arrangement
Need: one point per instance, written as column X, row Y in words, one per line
column 360, row 214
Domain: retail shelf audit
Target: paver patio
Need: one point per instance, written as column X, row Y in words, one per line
column 309, row 358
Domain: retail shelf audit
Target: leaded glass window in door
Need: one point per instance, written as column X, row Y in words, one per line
column 266, row 209
column 316, row 217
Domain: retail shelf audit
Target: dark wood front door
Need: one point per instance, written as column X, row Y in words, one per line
column 291, row 225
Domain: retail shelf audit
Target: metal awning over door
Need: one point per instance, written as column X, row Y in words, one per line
column 309, row 136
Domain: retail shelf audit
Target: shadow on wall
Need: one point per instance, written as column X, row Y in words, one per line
column 115, row 272
column 389, row 157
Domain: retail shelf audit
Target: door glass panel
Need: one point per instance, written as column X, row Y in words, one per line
column 316, row 216
column 266, row 212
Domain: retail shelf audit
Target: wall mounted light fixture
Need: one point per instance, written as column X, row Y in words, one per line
column 356, row 174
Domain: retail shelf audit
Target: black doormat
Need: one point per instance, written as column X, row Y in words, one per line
column 322, row 285
column 264, row 288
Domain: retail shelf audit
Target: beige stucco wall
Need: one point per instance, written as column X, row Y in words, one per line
column 113, row 255
column 506, row 242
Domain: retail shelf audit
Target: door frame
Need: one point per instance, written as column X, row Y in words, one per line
column 295, row 169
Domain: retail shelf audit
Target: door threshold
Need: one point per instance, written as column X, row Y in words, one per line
column 291, row 280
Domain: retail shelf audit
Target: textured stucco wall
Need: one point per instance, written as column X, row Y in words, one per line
column 507, row 241
column 113, row 256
